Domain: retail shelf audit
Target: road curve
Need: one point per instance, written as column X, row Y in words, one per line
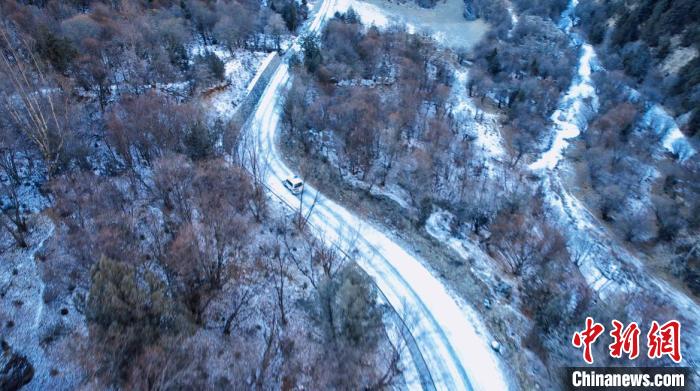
column 456, row 354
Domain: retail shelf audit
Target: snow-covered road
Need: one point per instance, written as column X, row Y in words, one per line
column 456, row 352
column 450, row 337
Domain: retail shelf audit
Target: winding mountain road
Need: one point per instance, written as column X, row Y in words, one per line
column 449, row 336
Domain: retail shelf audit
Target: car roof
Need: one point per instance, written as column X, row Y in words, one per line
column 294, row 180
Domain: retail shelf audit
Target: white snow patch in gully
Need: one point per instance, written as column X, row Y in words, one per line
column 569, row 119
column 393, row 192
column 488, row 137
column 673, row 140
column 437, row 226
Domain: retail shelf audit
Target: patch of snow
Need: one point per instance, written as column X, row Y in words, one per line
column 513, row 20
column 179, row 88
column 488, row 137
column 35, row 321
column 32, row 177
column 241, row 69
column 599, row 267
column 438, row 226
column 570, row 118
column 513, row 16
column 391, row 191
column 199, row 50
column 657, row 119
column 444, row 22
column 394, row 193
column 678, row 59
column 370, row 14
column 370, row 83
column 568, row 17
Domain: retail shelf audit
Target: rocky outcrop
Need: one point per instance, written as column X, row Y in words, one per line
column 15, row 369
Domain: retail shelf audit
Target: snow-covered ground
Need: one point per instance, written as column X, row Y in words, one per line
column 370, row 14
column 674, row 141
column 488, row 137
column 570, row 118
column 444, row 22
column 438, row 226
column 393, row 192
column 34, row 322
column 242, row 70
column 513, row 20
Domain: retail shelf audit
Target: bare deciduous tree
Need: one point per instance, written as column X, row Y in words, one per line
column 523, row 244
column 29, row 101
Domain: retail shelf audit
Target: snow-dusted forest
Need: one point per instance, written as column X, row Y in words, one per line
column 479, row 178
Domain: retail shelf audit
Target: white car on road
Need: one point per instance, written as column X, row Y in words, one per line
column 294, row 184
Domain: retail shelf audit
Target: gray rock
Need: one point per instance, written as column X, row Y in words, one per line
column 484, row 234
column 15, row 369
